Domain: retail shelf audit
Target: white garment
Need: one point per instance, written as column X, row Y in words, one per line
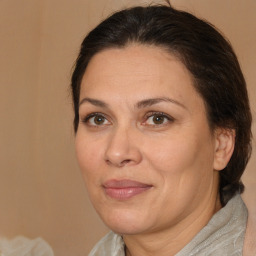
column 22, row 246
column 222, row 236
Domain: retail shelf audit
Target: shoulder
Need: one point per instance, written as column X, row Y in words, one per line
column 24, row 246
column 223, row 235
column 111, row 244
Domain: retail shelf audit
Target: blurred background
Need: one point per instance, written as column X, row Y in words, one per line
column 41, row 188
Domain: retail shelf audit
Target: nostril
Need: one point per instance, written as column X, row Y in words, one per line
column 108, row 162
column 125, row 162
column 119, row 164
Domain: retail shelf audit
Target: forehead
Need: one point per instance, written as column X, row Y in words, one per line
column 138, row 71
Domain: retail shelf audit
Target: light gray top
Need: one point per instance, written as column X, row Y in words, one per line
column 222, row 236
column 23, row 246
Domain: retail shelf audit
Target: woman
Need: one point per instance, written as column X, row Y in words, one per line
column 163, row 131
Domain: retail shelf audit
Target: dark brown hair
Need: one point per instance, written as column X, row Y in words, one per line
column 206, row 54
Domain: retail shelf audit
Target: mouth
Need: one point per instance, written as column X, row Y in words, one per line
column 124, row 189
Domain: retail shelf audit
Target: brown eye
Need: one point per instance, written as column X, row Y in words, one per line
column 99, row 120
column 155, row 119
column 158, row 119
column 96, row 120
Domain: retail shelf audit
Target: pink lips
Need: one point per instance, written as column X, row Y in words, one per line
column 124, row 189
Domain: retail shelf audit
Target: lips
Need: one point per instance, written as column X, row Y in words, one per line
column 124, row 189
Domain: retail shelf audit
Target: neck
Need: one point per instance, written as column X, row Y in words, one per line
column 171, row 240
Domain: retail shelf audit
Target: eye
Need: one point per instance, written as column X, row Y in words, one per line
column 96, row 119
column 156, row 119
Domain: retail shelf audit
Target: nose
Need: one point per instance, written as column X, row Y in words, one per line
column 123, row 148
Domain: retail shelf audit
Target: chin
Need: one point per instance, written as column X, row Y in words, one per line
column 125, row 222
column 127, row 229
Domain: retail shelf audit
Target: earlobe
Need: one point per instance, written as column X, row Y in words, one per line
column 224, row 147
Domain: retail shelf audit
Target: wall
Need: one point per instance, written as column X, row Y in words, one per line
column 41, row 189
column 20, row 48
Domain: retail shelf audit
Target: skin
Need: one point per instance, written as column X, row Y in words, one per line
column 165, row 143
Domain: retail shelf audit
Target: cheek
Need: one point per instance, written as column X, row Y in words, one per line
column 171, row 154
column 182, row 160
column 184, row 171
column 88, row 154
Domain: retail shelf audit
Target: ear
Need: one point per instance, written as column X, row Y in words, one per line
column 224, row 147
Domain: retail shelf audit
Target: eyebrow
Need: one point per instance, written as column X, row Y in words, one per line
column 97, row 103
column 153, row 101
column 141, row 104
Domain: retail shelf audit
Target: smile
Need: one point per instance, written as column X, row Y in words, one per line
column 124, row 189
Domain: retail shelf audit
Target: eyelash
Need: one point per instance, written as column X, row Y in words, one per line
column 93, row 115
column 147, row 116
column 160, row 114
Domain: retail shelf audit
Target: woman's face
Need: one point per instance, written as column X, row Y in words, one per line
column 143, row 142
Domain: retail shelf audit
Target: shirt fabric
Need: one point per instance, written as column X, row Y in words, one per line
column 222, row 236
column 23, row 246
